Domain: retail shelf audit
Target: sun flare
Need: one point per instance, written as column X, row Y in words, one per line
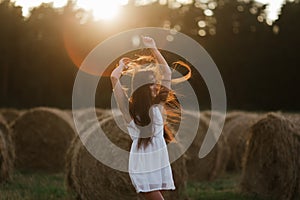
column 101, row 9
column 27, row 5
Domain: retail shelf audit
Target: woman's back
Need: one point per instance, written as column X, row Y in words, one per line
column 156, row 126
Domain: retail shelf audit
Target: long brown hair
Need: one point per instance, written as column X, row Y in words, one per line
column 141, row 99
column 141, row 102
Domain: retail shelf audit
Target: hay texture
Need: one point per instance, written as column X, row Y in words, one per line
column 271, row 164
column 87, row 114
column 237, row 130
column 7, row 154
column 10, row 114
column 42, row 137
column 212, row 165
column 294, row 118
column 88, row 178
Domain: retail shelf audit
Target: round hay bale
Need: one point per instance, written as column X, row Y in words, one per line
column 208, row 114
column 211, row 166
column 4, row 165
column 295, row 118
column 101, row 181
column 9, row 143
column 10, row 114
column 71, row 181
column 270, row 169
column 236, row 130
column 86, row 115
column 180, row 175
column 7, row 155
column 41, row 137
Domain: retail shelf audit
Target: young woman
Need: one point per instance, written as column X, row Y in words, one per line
column 149, row 166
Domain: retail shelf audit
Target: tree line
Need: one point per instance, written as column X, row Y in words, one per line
column 258, row 63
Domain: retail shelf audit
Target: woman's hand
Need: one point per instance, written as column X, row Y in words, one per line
column 117, row 72
column 124, row 61
column 149, row 42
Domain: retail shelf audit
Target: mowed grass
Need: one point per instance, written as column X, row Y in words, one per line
column 40, row 186
column 29, row 185
column 225, row 188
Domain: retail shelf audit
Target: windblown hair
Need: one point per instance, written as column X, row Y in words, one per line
column 141, row 99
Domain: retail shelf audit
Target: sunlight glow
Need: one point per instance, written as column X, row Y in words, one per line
column 143, row 2
column 101, row 9
column 108, row 9
column 185, row 2
column 202, row 32
column 28, row 5
column 201, row 23
column 273, row 9
column 208, row 12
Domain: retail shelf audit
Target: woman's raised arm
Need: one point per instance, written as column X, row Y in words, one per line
column 120, row 95
column 164, row 67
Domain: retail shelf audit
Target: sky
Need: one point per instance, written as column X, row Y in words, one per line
column 108, row 9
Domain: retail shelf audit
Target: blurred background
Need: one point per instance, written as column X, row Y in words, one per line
column 254, row 43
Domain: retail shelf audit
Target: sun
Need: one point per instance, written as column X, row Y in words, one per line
column 101, row 9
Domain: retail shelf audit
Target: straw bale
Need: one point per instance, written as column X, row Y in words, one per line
column 217, row 114
column 271, row 163
column 295, row 119
column 180, row 174
column 7, row 133
column 88, row 113
column 89, row 178
column 4, row 169
column 10, row 114
column 2, row 119
column 42, row 136
column 6, row 152
column 212, row 165
column 86, row 116
column 236, row 130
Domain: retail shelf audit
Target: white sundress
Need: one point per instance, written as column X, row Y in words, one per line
column 149, row 167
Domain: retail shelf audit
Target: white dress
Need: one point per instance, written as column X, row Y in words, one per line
column 149, row 167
